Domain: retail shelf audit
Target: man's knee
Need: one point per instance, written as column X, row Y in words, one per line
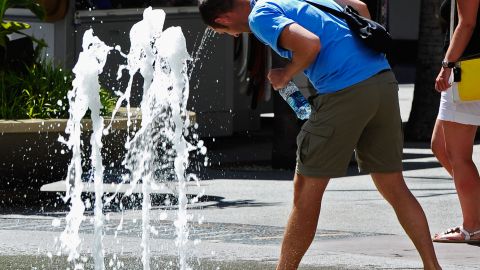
column 392, row 186
column 308, row 190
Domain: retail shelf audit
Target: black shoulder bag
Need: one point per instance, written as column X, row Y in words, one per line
column 373, row 34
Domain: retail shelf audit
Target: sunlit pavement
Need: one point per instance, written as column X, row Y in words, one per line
column 240, row 226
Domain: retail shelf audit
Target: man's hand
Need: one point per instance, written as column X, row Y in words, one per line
column 442, row 82
column 357, row 5
column 278, row 78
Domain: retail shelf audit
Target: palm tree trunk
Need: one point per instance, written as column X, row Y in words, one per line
column 430, row 53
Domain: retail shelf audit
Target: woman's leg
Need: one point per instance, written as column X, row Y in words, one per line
column 459, row 140
column 438, row 146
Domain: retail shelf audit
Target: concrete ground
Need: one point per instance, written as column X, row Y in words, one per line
column 239, row 225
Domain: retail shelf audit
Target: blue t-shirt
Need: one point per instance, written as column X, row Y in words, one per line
column 343, row 59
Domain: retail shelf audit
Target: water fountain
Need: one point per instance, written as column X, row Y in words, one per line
column 159, row 150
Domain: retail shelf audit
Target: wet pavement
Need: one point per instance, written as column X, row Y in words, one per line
column 211, row 232
column 38, row 263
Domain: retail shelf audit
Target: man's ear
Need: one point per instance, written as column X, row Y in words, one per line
column 223, row 19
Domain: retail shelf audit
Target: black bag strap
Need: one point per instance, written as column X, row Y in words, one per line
column 332, row 11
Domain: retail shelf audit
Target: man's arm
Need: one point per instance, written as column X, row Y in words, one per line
column 304, row 46
column 358, row 5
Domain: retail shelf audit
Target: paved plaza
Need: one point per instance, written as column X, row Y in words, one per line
column 239, row 224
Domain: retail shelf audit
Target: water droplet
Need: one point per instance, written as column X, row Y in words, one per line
column 88, row 203
column 56, row 222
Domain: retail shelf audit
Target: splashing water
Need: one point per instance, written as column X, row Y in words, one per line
column 157, row 153
column 201, row 49
column 84, row 96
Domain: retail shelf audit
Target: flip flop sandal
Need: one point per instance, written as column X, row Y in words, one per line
column 467, row 236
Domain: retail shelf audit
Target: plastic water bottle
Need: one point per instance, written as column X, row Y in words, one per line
column 296, row 100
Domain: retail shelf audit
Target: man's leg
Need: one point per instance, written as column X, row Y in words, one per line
column 303, row 220
column 410, row 214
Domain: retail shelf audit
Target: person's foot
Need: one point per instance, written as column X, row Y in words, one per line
column 458, row 235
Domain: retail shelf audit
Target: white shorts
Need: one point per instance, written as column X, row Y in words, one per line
column 467, row 113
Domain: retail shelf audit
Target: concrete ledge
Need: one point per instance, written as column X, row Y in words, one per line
column 54, row 125
column 58, row 125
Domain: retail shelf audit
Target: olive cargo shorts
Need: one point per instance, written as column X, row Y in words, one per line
column 364, row 117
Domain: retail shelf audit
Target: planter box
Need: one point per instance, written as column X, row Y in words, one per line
column 32, row 156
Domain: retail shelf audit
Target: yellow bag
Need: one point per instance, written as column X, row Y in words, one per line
column 468, row 87
column 466, row 74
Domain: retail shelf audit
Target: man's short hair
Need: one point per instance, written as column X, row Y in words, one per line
column 211, row 9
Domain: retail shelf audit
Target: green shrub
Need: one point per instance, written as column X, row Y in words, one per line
column 41, row 93
column 45, row 90
column 40, row 90
column 11, row 101
column 108, row 101
column 9, row 27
